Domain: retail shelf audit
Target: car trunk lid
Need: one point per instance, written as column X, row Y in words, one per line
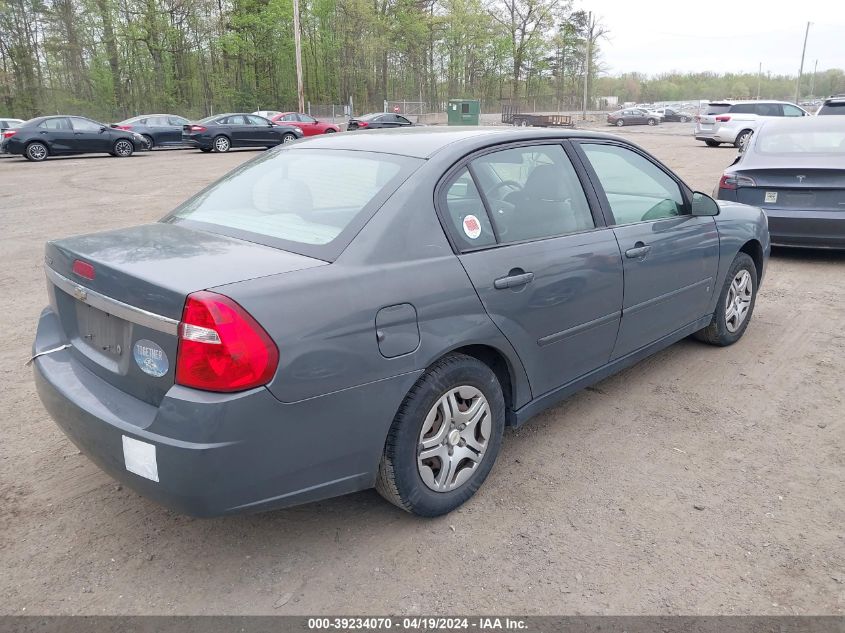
column 122, row 323
column 801, row 189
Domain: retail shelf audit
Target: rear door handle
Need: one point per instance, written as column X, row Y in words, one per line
column 639, row 250
column 513, row 280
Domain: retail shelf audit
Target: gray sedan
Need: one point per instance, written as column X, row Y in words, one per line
column 280, row 338
column 795, row 170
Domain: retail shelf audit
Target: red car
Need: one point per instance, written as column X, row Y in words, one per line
column 310, row 126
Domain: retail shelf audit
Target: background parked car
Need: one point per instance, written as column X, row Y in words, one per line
column 734, row 121
column 267, row 114
column 7, row 124
column 632, row 116
column 47, row 136
column 159, row 130
column 672, row 115
column 309, row 125
column 833, row 105
column 376, row 120
column 221, row 132
column 795, row 171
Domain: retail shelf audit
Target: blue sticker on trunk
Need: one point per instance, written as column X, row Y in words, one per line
column 150, row 358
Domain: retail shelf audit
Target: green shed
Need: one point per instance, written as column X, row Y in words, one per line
column 463, row 111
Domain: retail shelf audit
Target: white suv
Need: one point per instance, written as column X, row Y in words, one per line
column 735, row 121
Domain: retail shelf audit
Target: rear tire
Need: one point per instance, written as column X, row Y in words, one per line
column 652, row 121
column 685, row 119
column 36, row 152
column 453, row 418
column 735, row 305
column 150, row 142
column 205, row 150
column 742, row 138
column 712, row 143
column 330, row 131
column 222, row 144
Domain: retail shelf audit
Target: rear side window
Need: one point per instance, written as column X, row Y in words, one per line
column 744, row 108
column 306, row 201
column 533, row 193
column 467, row 214
column 56, row 124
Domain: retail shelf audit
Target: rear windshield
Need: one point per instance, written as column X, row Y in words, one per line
column 718, row 108
column 825, row 141
column 836, row 107
column 307, row 201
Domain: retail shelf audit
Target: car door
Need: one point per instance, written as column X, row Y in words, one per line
column 670, row 257
column 547, row 271
column 309, row 124
column 173, row 135
column 57, row 134
column 402, row 121
column 261, row 131
column 90, row 136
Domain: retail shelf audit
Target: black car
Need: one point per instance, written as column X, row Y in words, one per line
column 60, row 135
column 376, row 120
column 221, row 132
column 674, row 115
column 159, row 130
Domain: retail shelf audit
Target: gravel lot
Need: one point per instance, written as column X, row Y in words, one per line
column 700, row 481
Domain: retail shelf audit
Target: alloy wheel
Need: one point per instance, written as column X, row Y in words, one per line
column 738, row 301
column 288, row 138
column 221, row 144
column 37, row 151
column 454, row 438
column 123, row 148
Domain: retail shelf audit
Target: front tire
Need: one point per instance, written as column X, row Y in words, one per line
column 735, row 305
column 742, row 139
column 222, row 144
column 620, row 123
column 288, row 137
column 652, row 121
column 150, row 142
column 330, row 131
column 123, row 148
column 36, row 152
column 444, row 438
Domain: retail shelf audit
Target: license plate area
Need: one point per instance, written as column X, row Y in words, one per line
column 800, row 199
column 102, row 337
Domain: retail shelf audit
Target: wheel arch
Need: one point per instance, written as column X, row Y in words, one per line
column 754, row 249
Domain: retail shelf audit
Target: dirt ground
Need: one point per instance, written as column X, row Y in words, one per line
column 700, row 481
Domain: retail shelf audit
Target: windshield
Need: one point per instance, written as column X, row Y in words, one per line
column 307, row 201
column 820, row 141
column 834, row 107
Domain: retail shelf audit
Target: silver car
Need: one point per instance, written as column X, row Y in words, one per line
column 735, row 121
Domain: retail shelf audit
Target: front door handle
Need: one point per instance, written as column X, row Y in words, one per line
column 514, row 279
column 640, row 250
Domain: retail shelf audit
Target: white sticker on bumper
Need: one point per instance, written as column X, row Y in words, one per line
column 140, row 458
column 771, row 196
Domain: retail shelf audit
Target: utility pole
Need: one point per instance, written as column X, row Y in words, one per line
column 813, row 81
column 297, row 40
column 587, row 61
column 801, row 69
column 759, row 79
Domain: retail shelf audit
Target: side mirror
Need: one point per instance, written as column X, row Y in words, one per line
column 704, row 205
column 103, row 129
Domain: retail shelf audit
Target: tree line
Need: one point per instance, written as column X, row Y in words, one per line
column 109, row 59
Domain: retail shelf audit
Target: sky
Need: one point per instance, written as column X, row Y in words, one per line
column 656, row 36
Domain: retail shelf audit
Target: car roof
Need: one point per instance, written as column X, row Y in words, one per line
column 802, row 124
column 425, row 142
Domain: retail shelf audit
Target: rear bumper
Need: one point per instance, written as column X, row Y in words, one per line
column 808, row 229
column 220, row 453
column 192, row 141
column 719, row 135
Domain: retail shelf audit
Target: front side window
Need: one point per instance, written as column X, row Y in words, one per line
column 533, row 193
column 636, row 189
column 307, row 119
column 84, row 125
column 175, row 120
column 768, row 109
column 256, row 120
column 791, row 110
column 283, row 196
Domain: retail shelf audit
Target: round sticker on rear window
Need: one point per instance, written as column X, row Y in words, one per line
column 472, row 227
column 150, row 358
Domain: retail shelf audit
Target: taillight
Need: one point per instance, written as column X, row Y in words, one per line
column 83, row 269
column 363, row 124
column 723, row 118
column 9, row 133
column 221, row 347
column 734, row 181
column 122, row 127
column 197, row 128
